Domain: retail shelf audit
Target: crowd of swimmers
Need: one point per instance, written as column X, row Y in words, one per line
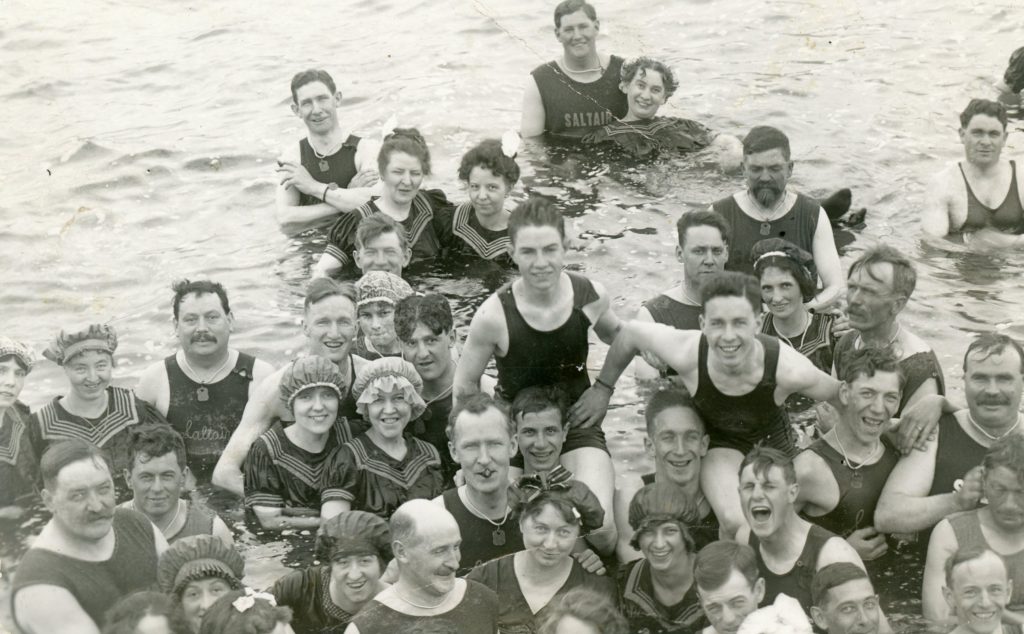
column 799, row 430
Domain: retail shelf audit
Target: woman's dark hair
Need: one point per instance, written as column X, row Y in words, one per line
column 125, row 615
column 408, row 141
column 260, row 618
column 532, row 507
column 643, row 65
column 589, row 606
column 788, row 258
column 489, row 155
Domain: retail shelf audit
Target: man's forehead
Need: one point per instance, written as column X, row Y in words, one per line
column 383, row 240
column 83, row 473
column 677, row 419
column 200, row 301
column 771, row 473
column 333, row 305
column 703, row 235
column 575, row 18
column 312, row 89
column 1005, row 359
column 544, row 418
column 852, row 590
column 879, row 380
column 773, row 156
column 735, row 586
column 488, row 423
column 875, row 273
column 145, row 462
column 984, row 570
column 982, row 121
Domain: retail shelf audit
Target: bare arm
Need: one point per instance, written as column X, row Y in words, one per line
column 935, row 216
column 276, row 519
column 674, row 346
column 623, row 497
column 943, row 544
column 485, row 334
column 642, row 370
column 606, row 322
column 326, row 266
column 819, row 491
column 826, row 259
column 256, row 419
column 45, row 609
column 796, row 374
column 334, row 507
column 532, row 123
column 154, row 388
column 222, row 532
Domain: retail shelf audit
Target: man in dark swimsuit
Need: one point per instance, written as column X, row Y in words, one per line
column 329, row 171
column 928, row 486
column 677, row 440
column 739, row 381
column 789, row 549
column 703, row 250
column 981, row 197
column 767, row 208
column 89, row 554
column 536, row 330
column 579, row 92
column 203, row 388
column 329, row 324
column 842, row 474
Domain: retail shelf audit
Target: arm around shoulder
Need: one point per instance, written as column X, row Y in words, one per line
column 606, row 322
column 943, row 544
column 256, row 419
column 481, row 343
column 46, row 609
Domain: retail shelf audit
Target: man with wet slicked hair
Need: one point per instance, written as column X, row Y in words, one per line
column 329, row 171
column 579, row 92
column 425, row 542
column 977, row 589
column 981, row 197
column 202, row 389
column 329, row 324
column 844, row 601
column 728, row 583
column 89, row 554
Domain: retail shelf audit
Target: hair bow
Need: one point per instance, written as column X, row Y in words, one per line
column 245, row 602
column 510, row 143
column 558, row 479
column 389, row 126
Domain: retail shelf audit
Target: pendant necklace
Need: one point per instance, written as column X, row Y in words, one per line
column 766, row 218
column 855, row 480
column 859, row 343
column 981, row 430
column 498, row 535
column 202, row 392
column 323, row 165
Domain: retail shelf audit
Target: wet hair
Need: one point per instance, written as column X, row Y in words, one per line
column 538, row 398
column 377, row 224
column 322, row 287
column 645, row 64
column 488, row 155
column 833, row 576
column 788, row 258
column 479, row 403
column 183, row 288
column 666, row 399
column 761, row 459
column 904, row 276
column 408, row 141
column 124, row 616
column 537, row 211
column 702, row 218
column 531, row 507
column 731, row 284
column 1009, row 453
column 867, row 361
column 1014, row 75
column 989, row 343
column 967, row 554
column 432, row 310
column 763, row 138
column 61, row 454
column 715, row 562
column 568, row 7
column 261, row 618
column 587, row 605
column 155, row 440
column 308, row 77
column 986, row 107
column 17, row 359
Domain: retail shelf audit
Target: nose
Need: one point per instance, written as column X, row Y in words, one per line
column 549, row 541
column 95, row 502
column 389, row 404
column 659, row 539
column 985, row 599
column 422, row 350
column 318, row 401
column 485, row 455
column 206, row 601
column 376, row 322
column 680, row 445
column 452, row 559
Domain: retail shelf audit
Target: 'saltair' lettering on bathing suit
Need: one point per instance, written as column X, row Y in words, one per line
column 587, row 119
column 574, row 108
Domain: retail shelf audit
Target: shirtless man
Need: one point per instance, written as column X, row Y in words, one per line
column 703, row 249
column 329, row 171
column 789, row 549
column 330, row 327
column 678, row 442
column 842, row 473
column 535, row 328
column 739, row 381
column 768, row 209
column 928, row 486
column 203, row 388
column 981, row 197
column 579, row 92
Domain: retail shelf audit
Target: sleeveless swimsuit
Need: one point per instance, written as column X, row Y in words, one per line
column 341, row 166
column 1008, row 216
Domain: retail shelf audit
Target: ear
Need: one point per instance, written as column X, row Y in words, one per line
column 759, row 590
column 398, row 550
column 819, row 618
column 451, row 450
column 305, row 326
column 794, row 492
column 679, row 253
column 700, row 320
column 623, row 86
column 963, row 135
column 844, row 393
column 231, row 321
column 648, row 446
column 295, row 109
column 407, row 257
column 337, row 98
column 127, row 478
column 597, row 25
column 515, row 445
column 950, row 600
column 901, row 303
column 47, row 497
column 705, row 441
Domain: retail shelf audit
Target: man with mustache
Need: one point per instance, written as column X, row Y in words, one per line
column 579, row 92
column 998, row 526
column 768, row 209
column 844, row 601
column 843, row 472
column 156, row 475
column 202, row 389
column 329, row 324
column 982, row 197
column 928, row 486
column 329, row 171
column 89, row 554
column 678, row 442
column 482, row 442
column 703, row 249
column 425, row 541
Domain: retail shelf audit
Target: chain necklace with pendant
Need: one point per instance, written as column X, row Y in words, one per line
column 202, row 392
column 498, row 535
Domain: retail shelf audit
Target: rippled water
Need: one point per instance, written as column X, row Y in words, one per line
column 139, row 141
